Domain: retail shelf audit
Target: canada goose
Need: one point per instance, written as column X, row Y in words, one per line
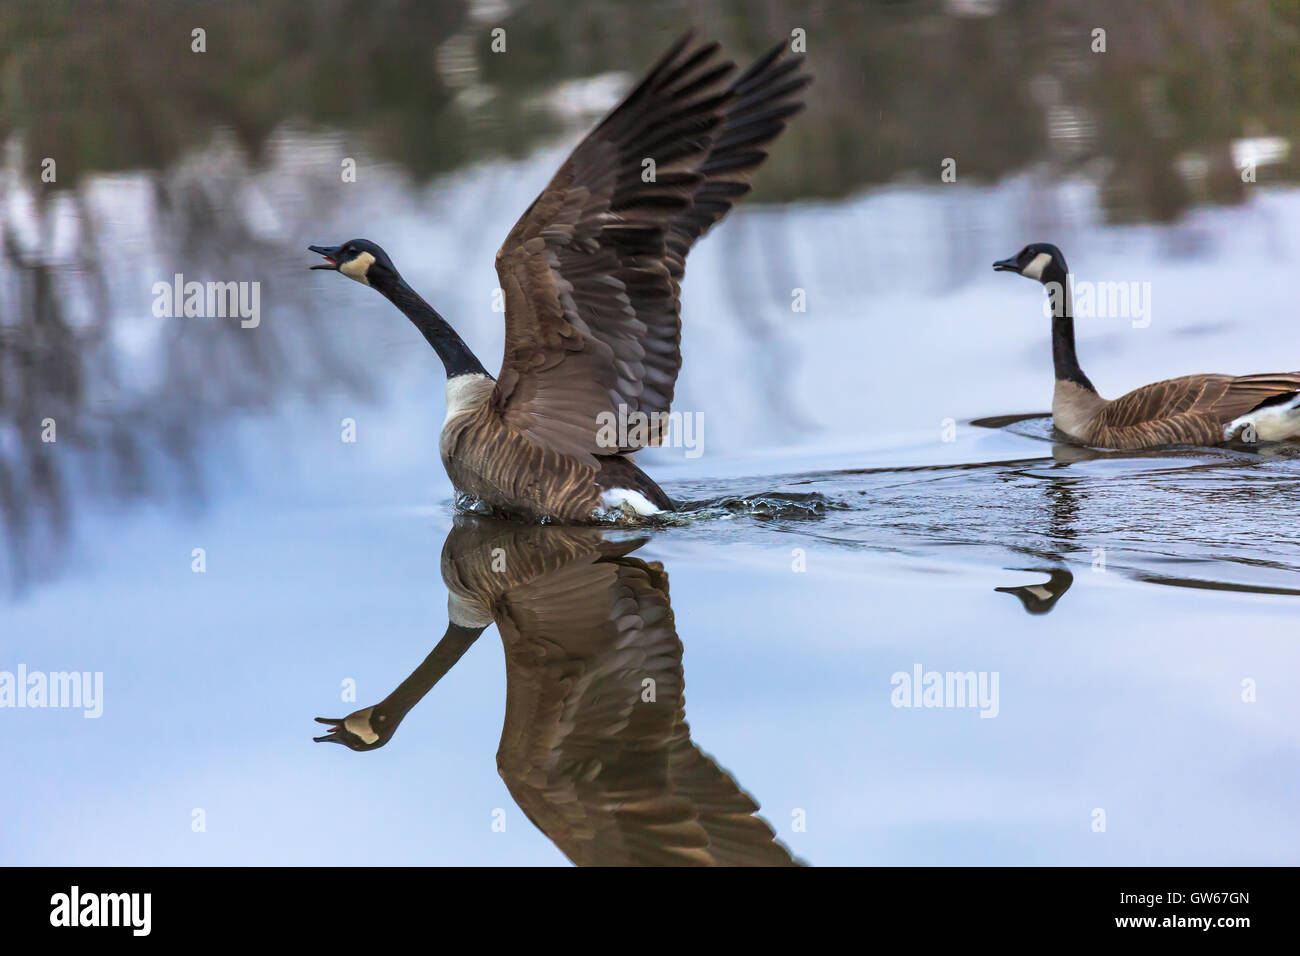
column 595, row 747
column 590, row 276
column 1193, row 410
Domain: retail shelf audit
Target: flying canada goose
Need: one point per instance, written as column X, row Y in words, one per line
column 590, row 276
column 1193, row 410
column 595, row 747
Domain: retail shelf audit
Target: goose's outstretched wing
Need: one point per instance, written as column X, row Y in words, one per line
column 595, row 748
column 590, row 272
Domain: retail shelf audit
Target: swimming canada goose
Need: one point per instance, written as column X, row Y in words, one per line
column 1193, row 410
column 595, row 747
column 590, row 276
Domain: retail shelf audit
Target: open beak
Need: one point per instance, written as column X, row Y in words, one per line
column 335, row 724
column 1002, row 265
column 331, row 256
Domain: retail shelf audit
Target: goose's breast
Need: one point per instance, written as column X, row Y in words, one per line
column 1074, row 408
column 465, row 394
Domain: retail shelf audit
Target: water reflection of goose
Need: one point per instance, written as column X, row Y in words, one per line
column 595, row 747
column 1041, row 598
column 590, row 275
column 1193, row 410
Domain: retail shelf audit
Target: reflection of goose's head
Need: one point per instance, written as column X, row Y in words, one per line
column 1041, row 598
column 1038, row 260
column 365, row 729
column 371, row 727
column 359, row 259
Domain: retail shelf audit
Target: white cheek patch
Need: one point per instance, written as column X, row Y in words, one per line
column 359, row 724
column 358, row 267
column 1035, row 269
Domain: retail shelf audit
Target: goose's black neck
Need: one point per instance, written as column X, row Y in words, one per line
column 451, row 348
column 1064, row 357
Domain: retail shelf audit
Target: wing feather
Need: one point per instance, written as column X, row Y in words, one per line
column 611, row 778
column 1188, row 410
column 591, row 271
column 1220, row 397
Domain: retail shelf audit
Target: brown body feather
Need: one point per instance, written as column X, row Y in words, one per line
column 492, row 463
column 1191, row 410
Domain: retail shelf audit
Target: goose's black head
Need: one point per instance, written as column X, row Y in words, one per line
column 366, row 729
column 1038, row 260
column 359, row 259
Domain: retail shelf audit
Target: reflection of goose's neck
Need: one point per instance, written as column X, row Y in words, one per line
column 372, row 727
column 441, row 659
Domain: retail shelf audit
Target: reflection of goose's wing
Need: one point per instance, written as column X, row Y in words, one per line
column 595, row 747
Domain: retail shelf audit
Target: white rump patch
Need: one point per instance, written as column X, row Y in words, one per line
column 1272, row 423
column 620, row 497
